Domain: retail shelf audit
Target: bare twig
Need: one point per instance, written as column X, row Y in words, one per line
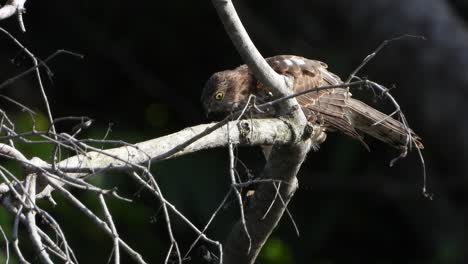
column 31, row 222
column 377, row 50
column 238, row 195
column 7, row 245
column 103, row 225
column 14, row 7
column 178, row 213
column 213, row 215
column 174, row 244
column 108, row 216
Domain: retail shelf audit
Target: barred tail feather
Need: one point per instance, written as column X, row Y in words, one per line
column 387, row 129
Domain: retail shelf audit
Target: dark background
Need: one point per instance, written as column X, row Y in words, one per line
column 144, row 69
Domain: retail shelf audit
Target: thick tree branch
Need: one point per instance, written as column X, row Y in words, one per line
column 249, row 53
column 252, row 132
column 246, row 132
column 283, row 162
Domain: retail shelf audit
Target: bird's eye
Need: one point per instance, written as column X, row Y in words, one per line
column 219, row 96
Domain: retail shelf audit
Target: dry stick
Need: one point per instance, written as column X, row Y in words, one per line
column 31, row 222
column 232, row 172
column 12, row 152
column 236, row 191
column 166, row 214
column 57, row 254
column 7, row 204
column 17, row 196
column 7, row 246
column 58, row 230
column 71, row 181
column 174, row 243
column 286, row 208
column 33, row 68
column 21, row 10
column 377, row 50
column 2, row 125
column 213, row 215
column 278, row 195
column 49, row 219
column 177, row 212
column 23, row 107
column 39, row 80
column 167, row 218
column 272, row 202
column 353, row 75
column 410, row 140
column 103, row 225
column 16, row 221
column 15, row 237
column 5, row 117
column 14, row 7
column 108, row 216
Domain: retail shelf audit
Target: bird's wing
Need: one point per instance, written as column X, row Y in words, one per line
column 327, row 107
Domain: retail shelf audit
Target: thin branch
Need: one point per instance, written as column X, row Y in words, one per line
column 377, row 50
column 14, row 7
column 103, row 225
column 31, row 223
column 7, row 245
column 178, row 213
column 108, row 216
column 238, row 195
column 174, row 244
column 213, row 215
column 9, row 81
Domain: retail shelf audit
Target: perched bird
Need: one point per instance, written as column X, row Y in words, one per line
column 333, row 109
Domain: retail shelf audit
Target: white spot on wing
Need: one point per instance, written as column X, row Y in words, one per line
column 298, row 61
column 288, row 62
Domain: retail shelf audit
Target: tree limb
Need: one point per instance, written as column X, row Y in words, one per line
column 246, row 132
column 283, row 162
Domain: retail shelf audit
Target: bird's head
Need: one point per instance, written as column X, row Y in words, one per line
column 225, row 92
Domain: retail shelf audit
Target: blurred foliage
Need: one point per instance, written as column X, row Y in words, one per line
column 276, row 251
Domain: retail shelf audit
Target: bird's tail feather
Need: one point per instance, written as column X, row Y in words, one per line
column 381, row 126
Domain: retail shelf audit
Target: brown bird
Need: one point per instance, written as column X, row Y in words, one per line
column 334, row 109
